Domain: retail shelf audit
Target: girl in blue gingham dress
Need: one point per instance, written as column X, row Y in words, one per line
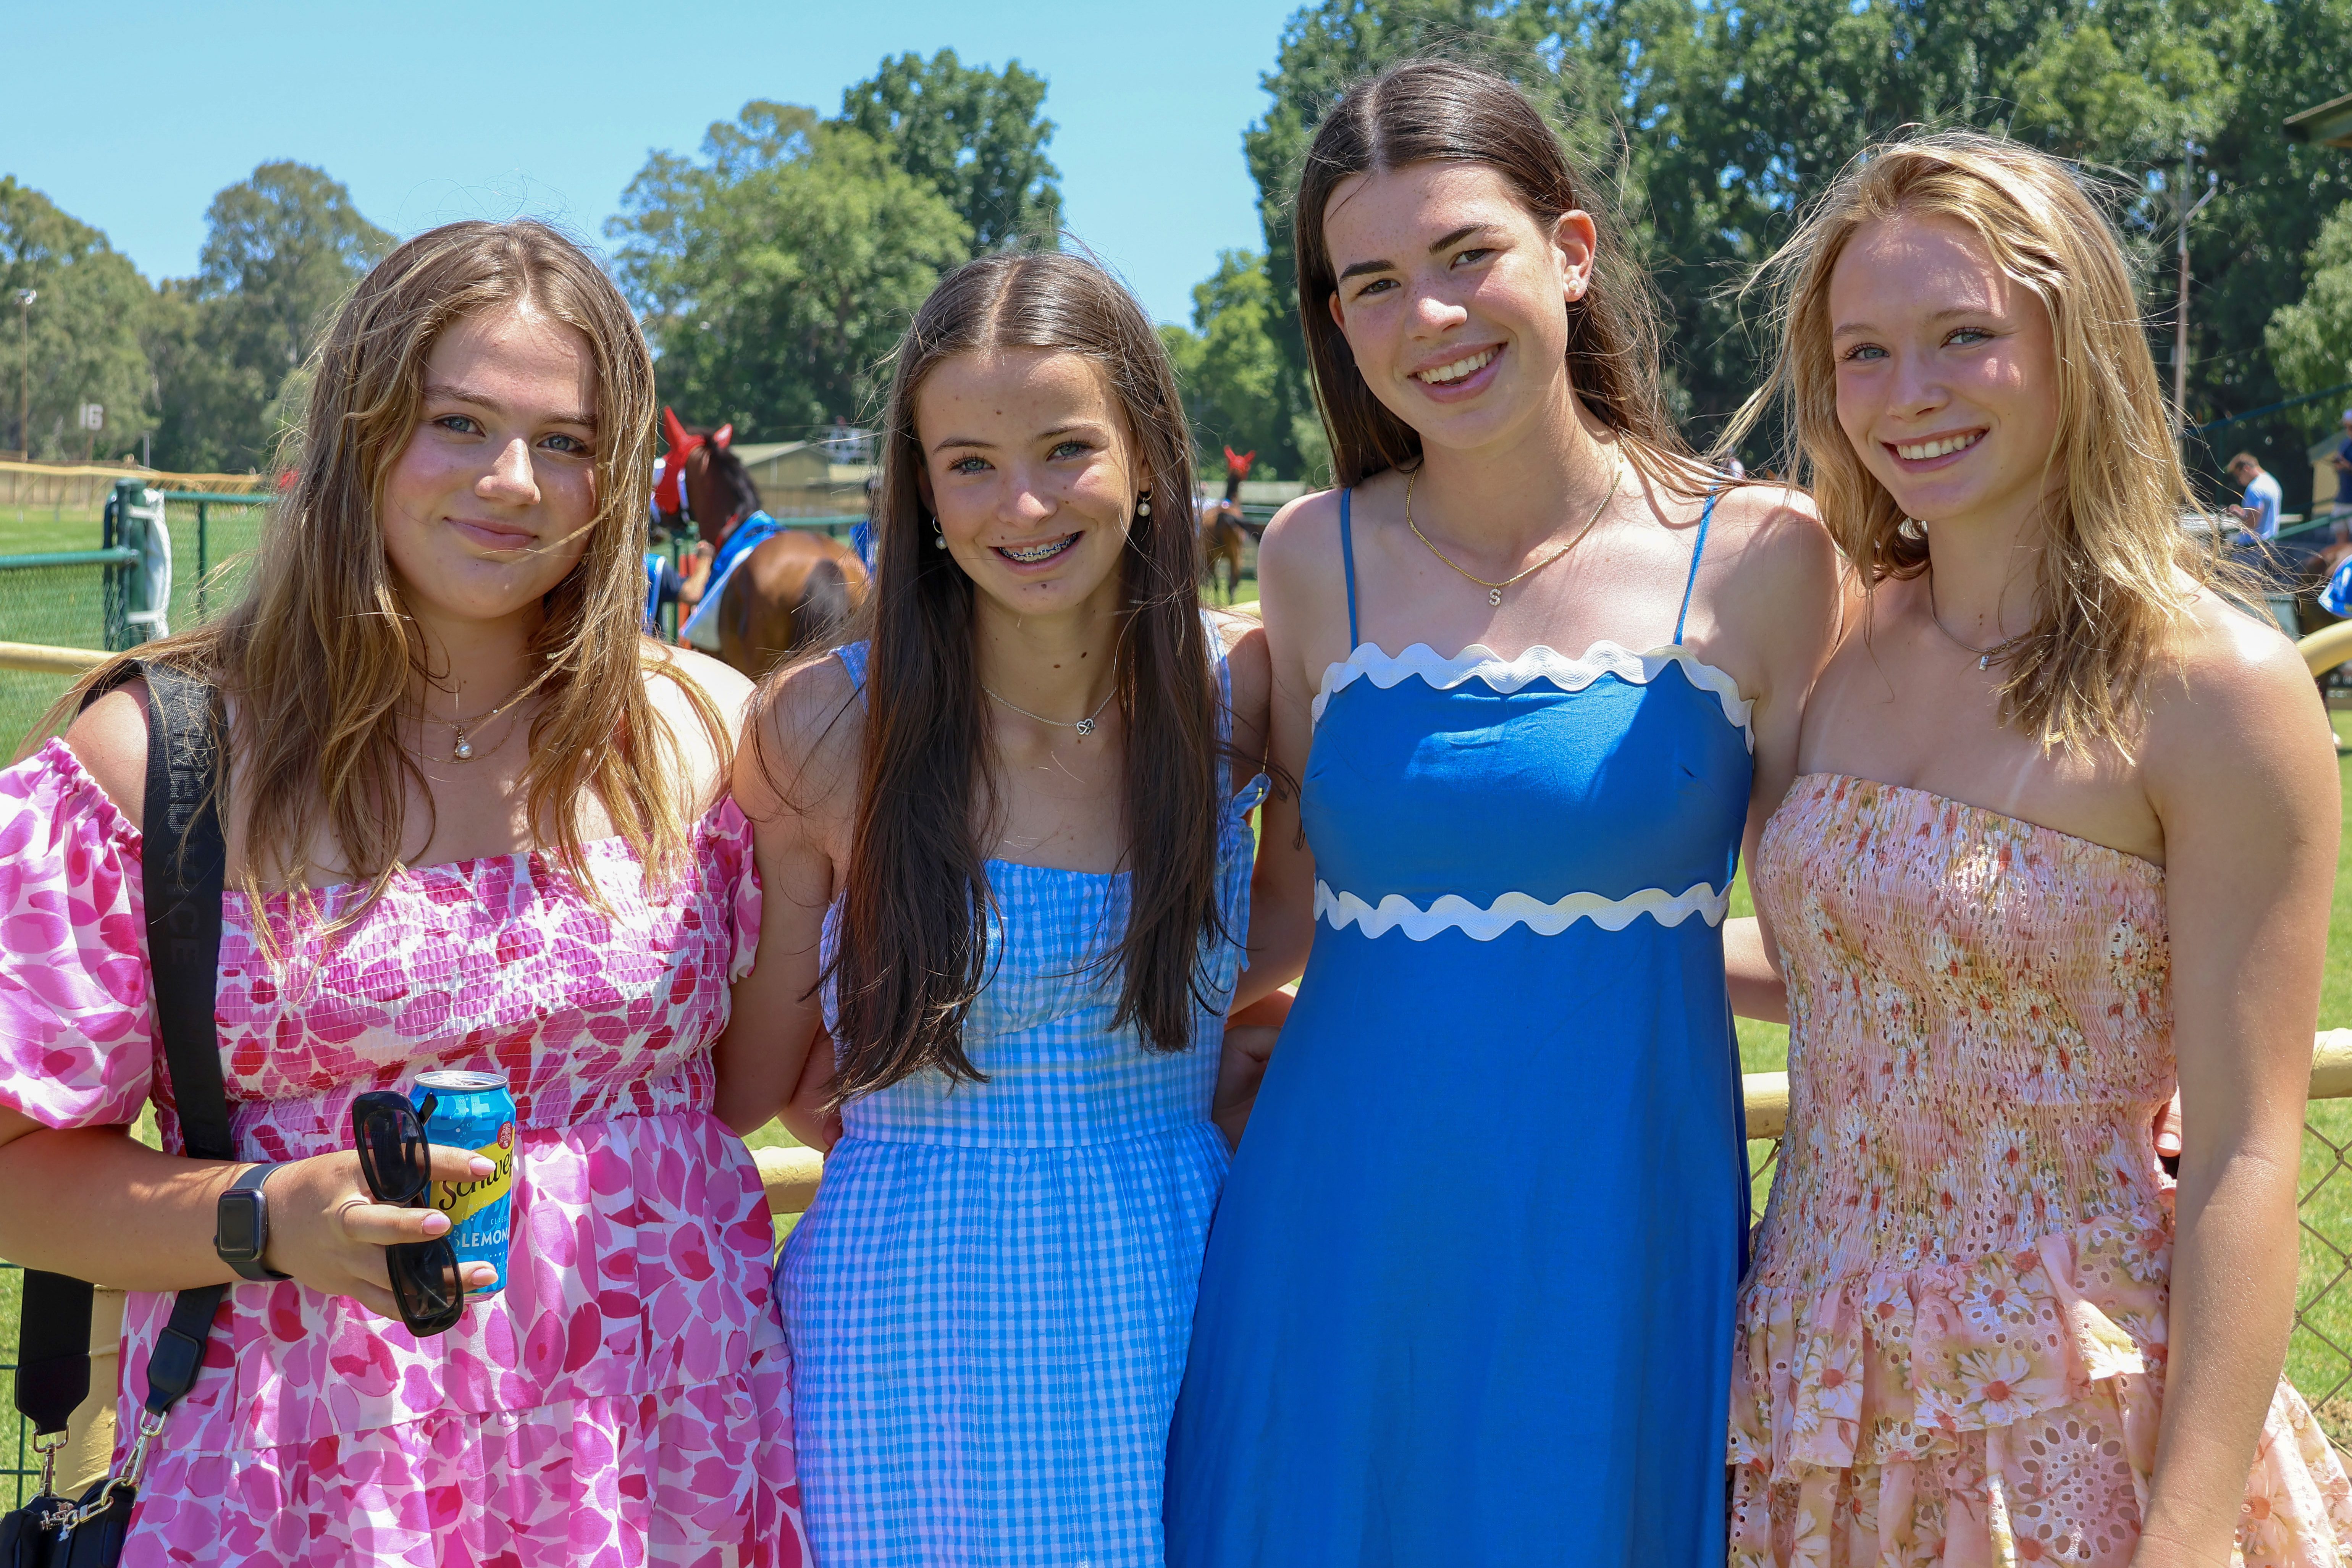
column 991, row 1299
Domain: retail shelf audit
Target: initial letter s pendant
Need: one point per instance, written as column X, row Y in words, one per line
column 1494, row 596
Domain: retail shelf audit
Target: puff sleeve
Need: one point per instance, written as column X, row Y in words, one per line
column 77, row 1032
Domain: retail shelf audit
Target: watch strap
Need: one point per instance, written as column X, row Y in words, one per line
column 250, row 1180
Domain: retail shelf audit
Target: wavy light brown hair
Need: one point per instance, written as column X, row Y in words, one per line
column 914, row 951
column 1443, row 111
column 319, row 655
column 2114, row 561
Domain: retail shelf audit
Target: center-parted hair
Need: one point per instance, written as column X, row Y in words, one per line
column 916, row 901
column 1443, row 111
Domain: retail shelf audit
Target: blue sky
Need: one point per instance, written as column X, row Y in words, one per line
column 130, row 115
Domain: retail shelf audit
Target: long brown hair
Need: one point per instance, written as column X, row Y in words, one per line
column 914, row 948
column 319, row 653
column 2113, row 549
column 1440, row 111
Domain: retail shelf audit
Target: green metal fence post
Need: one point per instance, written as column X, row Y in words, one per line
column 126, row 585
column 203, row 552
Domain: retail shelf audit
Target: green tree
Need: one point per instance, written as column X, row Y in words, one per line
column 79, row 339
column 776, row 274
column 2310, row 340
column 1229, row 365
column 281, row 250
column 974, row 134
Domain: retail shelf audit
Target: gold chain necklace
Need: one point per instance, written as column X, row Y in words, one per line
column 1985, row 656
column 1495, row 590
column 1085, row 726
column 462, row 750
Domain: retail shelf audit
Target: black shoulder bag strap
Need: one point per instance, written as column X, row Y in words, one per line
column 183, row 860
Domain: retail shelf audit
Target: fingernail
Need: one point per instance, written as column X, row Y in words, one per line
column 479, row 1166
column 436, row 1223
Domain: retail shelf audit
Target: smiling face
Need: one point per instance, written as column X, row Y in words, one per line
column 1947, row 372
column 1029, row 466
column 489, row 503
column 1453, row 297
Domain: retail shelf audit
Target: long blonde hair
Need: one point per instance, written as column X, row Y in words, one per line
column 2113, row 546
column 319, row 652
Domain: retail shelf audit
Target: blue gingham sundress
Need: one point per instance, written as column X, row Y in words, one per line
column 991, row 1299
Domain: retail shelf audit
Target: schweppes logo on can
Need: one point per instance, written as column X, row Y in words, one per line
column 460, row 1199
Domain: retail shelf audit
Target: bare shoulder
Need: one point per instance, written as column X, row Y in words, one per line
column 110, row 740
column 1302, row 543
column 1247, row 664
column 802, row 740
column 1774, row 527
column 2231, row 695
column 727, row 688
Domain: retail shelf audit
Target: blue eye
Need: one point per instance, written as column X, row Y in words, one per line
column 1069, row 449
column 459, row 424
column 1967, row 337
column 1862, row 353
column 572, row 446
column 967, row 466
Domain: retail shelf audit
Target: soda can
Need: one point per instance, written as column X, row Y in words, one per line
column 473, row 1111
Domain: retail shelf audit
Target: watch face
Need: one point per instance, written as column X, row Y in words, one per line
column 238, row 1226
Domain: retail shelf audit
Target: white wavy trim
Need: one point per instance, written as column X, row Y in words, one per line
column 1479, row 662
column 1452, row 911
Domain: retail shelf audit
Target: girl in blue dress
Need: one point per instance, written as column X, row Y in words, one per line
column 1005, row 852
column 1540, row 683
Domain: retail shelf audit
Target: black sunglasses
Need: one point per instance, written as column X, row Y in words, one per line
column 389, row 1134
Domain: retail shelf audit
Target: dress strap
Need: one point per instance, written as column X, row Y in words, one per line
column 1698, row 547
column 853, row 659
column 1347, row 559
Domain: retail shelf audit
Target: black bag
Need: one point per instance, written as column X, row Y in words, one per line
column 185, row 862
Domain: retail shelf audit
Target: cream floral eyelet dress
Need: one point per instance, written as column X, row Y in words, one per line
column 1951, row 1349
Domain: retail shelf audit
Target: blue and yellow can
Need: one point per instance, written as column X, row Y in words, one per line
column 473, row 1111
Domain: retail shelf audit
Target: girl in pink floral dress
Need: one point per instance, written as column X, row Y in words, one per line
column 2063, row 838
column 474, row 822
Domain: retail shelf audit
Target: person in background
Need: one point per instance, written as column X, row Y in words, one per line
column 475, row 821
column 2258, row 517
column 2062, row 839
column 1005, row 843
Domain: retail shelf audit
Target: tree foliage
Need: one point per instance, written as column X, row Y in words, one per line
column 972, row 134
column 1228, row 366
column 78, row 341
column 281, row 249
column 1713, row 125
column 776, row 274
column 2310, row 340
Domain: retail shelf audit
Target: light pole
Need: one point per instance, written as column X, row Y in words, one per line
column 2189, row 151
column 25, row 298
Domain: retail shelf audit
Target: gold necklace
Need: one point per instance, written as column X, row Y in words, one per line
column 1985, row 656
column 1495, row 590
column 462, row 751
column 1085, row 726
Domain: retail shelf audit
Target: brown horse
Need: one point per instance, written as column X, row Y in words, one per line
column 1223, row 535
column 789, row 592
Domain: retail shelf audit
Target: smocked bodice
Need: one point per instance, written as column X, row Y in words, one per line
column 1980, row 1025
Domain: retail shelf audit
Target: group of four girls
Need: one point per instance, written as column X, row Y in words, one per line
column 974, row 899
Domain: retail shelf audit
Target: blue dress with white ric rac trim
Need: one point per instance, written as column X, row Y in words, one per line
column 989, row 1300
column 1468, row 1295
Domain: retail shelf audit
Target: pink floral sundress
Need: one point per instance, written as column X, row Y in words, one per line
column 623, row 1400
column 1951, row 1348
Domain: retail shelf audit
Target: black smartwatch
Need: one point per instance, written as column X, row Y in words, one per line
column 241, row 1224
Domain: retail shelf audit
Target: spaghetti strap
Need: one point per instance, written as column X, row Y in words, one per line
column 1698, row 547
column 853, row 659
column 1348, row 559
